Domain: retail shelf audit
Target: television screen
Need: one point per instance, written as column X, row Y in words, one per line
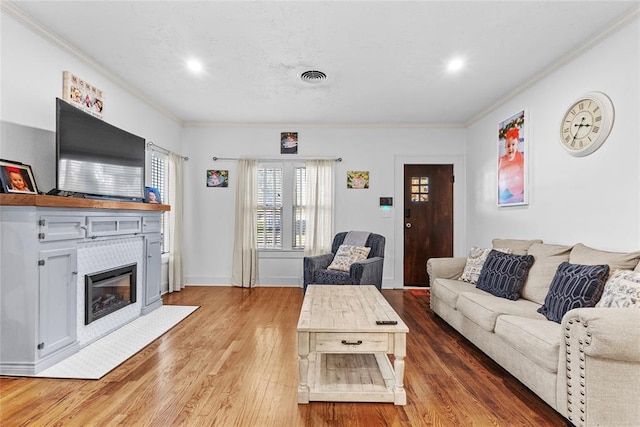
column 96, row 158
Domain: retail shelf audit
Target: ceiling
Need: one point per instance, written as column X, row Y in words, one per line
column 385, row 60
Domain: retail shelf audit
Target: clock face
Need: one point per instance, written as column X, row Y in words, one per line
column 587, row 124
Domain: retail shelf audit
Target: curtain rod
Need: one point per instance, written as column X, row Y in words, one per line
column 292, row 159
column 156, row 147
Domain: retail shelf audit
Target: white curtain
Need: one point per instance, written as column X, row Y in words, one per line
column 176, row 279
column 319, row 208
column 245, row 246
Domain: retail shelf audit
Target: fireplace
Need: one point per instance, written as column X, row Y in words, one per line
column 108, row 291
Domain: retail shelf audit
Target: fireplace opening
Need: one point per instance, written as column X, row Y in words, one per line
column 109, row 291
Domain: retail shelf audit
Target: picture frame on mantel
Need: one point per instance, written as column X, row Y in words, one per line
column 17, row 177
column 512, row 161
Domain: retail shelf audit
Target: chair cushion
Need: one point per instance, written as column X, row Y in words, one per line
column 547, row 259
column 483, row 309
column 332, row 277
column 517, row 246
column 503, row 275
column 536, row 339
column 622, row 290
column 347, row 255
column 574, row 286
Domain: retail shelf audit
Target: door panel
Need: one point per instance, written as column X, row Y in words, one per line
column 428, row 218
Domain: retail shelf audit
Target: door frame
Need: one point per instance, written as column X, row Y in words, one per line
column 459, row 206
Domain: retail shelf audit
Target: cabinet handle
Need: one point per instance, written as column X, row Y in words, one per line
column 83, row 227
column 345, row 342
column 75, row 273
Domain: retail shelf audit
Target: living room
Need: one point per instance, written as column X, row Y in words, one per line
column 593, row 200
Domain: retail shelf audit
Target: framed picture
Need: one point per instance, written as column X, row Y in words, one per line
column 17, row 178
column 512, row 160
column 217, row 178
column 358, row 179
column 83, row 95
column 289, row 143
column 152, row 195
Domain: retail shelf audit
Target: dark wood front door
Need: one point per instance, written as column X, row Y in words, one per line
column 428, row 218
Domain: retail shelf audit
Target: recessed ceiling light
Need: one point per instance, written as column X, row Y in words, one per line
column 194, row 65
column 455, row 65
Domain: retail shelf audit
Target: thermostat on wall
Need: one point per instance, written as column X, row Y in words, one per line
column 386, row 201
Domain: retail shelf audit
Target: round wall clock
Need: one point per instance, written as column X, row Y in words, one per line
column 587, row 124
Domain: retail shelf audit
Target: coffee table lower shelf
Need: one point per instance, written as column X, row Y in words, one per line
column 355, row 377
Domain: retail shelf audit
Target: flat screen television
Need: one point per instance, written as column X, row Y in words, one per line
column 95, row 158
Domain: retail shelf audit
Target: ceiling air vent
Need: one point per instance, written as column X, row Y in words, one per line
column 313, row 76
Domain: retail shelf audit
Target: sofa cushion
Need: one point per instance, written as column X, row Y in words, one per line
column 483, row 308
column 448, row 290
column 622, row 290
column 547, row 259
column 581, row 254
column 475, row 261
column 347, row 255
column 574, row 286
column 518, row 247
column 503, row 275
column 536, row 339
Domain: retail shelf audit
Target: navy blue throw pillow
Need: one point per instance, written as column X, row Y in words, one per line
column 503, row 275
column 574, row 286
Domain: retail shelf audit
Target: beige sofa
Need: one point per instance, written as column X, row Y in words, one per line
column 587, row 367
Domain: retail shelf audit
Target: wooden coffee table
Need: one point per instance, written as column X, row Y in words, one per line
column 342, row 352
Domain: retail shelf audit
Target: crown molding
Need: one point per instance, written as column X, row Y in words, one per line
column 13, row 11
column 326, row 125
column 565, row 59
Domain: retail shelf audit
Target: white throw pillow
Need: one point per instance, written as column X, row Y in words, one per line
column 622, row 290
column 347, row 255
column 475, row 261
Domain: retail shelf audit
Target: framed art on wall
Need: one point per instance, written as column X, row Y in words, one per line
column 289, row 143
column 17, row 178
column 512, row 160
column 358, row 179
column 217, row 178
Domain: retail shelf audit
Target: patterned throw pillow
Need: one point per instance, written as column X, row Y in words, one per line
column 475, row 261
column 503, row 275
column 574, row 286
column 622, row 290
column 347, row 255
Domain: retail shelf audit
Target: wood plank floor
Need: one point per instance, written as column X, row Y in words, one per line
column 233, row 362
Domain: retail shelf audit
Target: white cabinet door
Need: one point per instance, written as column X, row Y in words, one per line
column 57, row 299
column 152, row 298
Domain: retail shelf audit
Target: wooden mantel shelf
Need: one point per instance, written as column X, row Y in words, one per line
column 75, row 202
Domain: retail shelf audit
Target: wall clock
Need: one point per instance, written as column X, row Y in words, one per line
column 587, row 124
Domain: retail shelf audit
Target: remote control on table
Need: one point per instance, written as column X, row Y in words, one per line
column 386, row 322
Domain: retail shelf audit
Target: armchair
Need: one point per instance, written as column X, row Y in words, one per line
column 366, row 272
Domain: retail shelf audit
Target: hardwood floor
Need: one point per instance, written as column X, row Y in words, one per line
column 233, row 362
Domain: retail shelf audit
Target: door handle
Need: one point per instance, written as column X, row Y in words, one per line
column 408, row 225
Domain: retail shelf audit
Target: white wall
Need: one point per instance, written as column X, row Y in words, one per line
column 31, row 79
column 595, row 199
column 209, row 212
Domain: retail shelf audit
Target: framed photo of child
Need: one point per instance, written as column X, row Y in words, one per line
column 17, row 178
column 152, row 195
column 513, row 148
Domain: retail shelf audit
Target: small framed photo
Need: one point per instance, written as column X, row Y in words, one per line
column 217, row 178
column 152, row 195
column 288, row 142
column 17, row 178
column 358, row 179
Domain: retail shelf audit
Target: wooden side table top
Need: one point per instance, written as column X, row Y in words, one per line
column 346, row 308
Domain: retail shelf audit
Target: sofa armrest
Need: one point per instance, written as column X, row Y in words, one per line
column 445, row 268
column 368, row 271
column 311, row 264
column 599, row 366
column 607, row 333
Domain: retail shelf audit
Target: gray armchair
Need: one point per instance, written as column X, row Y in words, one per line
column 366, row 272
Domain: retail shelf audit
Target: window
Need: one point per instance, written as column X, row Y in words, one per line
column 159, row 179
column 270, row 208
column 281, row 200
